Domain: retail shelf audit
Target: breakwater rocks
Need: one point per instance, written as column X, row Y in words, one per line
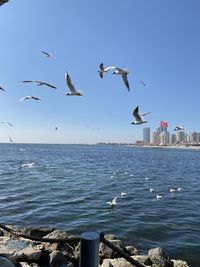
column 18, row 251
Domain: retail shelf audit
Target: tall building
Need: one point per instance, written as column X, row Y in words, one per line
column 180, row 137
column 146, row 135
column 155, row 138
column 164, row 138
column 173, row 139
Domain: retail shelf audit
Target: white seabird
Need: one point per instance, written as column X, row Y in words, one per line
column 172, row 190
column 152, row 190
column 6, row 122
column 28, row 165
column 179, row 128
column 29, row 97
column 47, row 54
column 179, row 189
column 73, row 91
column 102, row 69
column 113, row 202
column 138, row 118
column 123, row 194
column 158, row 196
column 40, row 83
column 123, row 73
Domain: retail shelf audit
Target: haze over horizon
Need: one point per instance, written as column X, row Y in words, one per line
column 157, row 42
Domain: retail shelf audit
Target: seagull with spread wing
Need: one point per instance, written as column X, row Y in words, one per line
column 29, row 97
column 40, row 83
column 47, row 54
column 138, row 118
column 6, row 122
column 113, row 202
column 123, row 73
column 73, row 91
column 102, row 69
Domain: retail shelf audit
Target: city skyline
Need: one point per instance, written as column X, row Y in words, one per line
column 161, row 136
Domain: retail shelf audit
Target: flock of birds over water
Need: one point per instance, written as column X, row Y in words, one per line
column 122, row 72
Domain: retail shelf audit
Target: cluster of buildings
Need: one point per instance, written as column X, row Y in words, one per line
column 162, row 137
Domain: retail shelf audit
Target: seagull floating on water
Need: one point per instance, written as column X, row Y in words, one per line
column 138, row 118
column 40, row 83
column 179, row 189
column 172, row 190
column 73, row 91
column 158, row 196
column 152, row 190
column 6, row 122
column 47, row 54
column 113, row 202
column 102, row 69
column 29, row 97
column 28, row 165
column 179, row 128
column 123, row 73
column 123, row 194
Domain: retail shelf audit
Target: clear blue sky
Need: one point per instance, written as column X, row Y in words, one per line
column 157, row 40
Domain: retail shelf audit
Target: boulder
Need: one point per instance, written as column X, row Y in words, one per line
column 179, row 263
column 5, row 262
column 132, row 251
column 57, row 259
column 159, row 258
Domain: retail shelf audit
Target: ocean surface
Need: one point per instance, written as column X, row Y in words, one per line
column 67, row 187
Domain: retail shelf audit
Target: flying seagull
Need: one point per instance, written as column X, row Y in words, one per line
column 11, row 141
column 40, row 83
column 138, row 118
column 102, row 69
column 29, row 97
column 2, row 89
column 113, row 202
column 179, row 128
column 71, row 86
column 47, row 54
column 143, row 83
column 6, row 122
column 123, row 73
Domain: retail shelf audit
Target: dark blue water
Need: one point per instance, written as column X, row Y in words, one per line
column 68, row 186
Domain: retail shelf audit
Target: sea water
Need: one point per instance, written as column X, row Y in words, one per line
column 67, row 187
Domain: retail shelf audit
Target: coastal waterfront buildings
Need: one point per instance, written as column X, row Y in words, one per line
column 162, row 137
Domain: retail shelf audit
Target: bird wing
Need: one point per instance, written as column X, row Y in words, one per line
column 35, row 98
column 47, row 54
column 109, row 68
column 28, row 81
column 2, row 89
column 23, row 98
column 136, row 114
column 47, row 84
column 101, row 67
column 69, row 83
column 125, row 79
column 114, row 201
column 145, row 113
column 9, row 123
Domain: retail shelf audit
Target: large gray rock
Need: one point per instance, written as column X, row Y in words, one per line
column 179, row 263
column 21, row 250
column 132, row 251
column 143, row 259
column 57, row 259
column 159, row 258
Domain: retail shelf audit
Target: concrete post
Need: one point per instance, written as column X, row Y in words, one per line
column 89, row 256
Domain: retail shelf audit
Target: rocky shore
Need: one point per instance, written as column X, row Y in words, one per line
column 17, row 251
